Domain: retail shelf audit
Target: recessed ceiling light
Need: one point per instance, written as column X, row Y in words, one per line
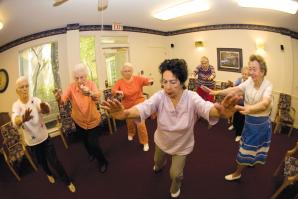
column 287, row 6
column 188, row 7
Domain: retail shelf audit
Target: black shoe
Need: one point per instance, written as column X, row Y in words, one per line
column 91, row 158
column 103, row 167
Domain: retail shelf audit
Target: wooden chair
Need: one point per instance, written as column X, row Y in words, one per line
column 191, row 84
column 107, row 93
column 290, row 163
column 285, row 115
column 13, row 148
column 65, row 123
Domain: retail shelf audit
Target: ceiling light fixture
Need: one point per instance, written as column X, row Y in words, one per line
column 188, row 7
column 58, row 2
column 102, row 5
column 288, row 6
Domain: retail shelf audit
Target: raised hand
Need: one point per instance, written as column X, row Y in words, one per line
column 115, row 108
column 85, row 90
column 44, row 108
column 57, row 93
column 27, row 115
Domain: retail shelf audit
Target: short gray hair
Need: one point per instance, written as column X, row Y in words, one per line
column 80, row 69
column 127, row 64
column 20, row 80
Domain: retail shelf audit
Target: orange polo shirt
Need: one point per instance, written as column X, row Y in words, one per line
column 132, row 90
column 84, row 111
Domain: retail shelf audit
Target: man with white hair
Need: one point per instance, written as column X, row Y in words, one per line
column 83, row 95
column 27, row 112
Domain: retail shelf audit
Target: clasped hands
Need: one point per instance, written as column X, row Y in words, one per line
column 230, row 101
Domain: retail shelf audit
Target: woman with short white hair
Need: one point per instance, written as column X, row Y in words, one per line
column 131, row 88
column 27, row 112
column 83, row 95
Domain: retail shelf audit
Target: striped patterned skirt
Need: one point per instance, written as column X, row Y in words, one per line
column 255, row 141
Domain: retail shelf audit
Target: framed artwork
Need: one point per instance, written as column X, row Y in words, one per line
column 229, row 59
column 4, row 79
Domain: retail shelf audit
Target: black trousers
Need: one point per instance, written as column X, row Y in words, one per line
column 90, row 140
column 238, row 123
column 46, row 154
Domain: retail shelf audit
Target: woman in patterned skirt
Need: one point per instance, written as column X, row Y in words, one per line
column 256, row 135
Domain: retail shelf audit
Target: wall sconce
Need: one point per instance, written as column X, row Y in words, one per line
column 199, row 44
column 1, row 25
column 260, row 47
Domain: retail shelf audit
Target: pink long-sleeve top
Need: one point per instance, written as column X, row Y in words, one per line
column 174, row 134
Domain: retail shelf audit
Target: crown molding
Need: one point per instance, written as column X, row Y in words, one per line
column 77, row 26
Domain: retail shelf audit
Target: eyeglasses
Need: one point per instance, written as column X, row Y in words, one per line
column 171, row 82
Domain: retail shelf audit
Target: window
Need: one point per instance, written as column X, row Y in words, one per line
column 114, row 60
column 40, row 65
column 87, row 56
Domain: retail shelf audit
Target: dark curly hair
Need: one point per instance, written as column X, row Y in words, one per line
column 178, row 67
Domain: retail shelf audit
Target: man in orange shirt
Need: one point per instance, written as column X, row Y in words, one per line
column 83, row 95
column 131, row 88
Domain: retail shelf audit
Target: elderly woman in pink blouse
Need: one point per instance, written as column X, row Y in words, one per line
column 177, row 111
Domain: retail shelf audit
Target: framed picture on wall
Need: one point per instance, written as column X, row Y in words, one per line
column 229, row 59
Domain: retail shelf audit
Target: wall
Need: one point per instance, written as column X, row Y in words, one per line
column 148, row 51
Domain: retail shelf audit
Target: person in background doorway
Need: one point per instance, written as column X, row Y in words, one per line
column 131, row 89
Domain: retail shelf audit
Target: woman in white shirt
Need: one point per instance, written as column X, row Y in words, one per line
column 256, row 135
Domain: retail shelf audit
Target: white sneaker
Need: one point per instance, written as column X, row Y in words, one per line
column 238, row 138
column 51, row 179
column 231, row 128
column 146, row 147
column 175, row 195
column 71, row 188
column 130, row 138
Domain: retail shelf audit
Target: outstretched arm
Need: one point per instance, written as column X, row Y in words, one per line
column 255, row 108
column 222, row 92
column 226, row 108
column 117, row 110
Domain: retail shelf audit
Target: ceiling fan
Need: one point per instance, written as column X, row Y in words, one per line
column 102, row 4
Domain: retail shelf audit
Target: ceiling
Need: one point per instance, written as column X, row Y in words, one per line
column 25, row 17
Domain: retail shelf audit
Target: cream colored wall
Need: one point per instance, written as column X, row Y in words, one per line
column 148, row 51
column 9, row 61
column 282, row 65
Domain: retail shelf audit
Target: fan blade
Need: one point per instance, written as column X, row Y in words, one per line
column 58, row 2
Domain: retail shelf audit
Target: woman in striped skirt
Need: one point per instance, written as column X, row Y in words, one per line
column 256, row 135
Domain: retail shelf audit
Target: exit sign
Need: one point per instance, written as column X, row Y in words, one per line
column 117, row 26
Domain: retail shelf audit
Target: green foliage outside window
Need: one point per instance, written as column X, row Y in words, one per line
column 87, row 56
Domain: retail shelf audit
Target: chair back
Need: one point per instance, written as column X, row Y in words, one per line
column 67, row 124
column 12, row 142
column 4, row 118
column 191, row 84
column 284, row 102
